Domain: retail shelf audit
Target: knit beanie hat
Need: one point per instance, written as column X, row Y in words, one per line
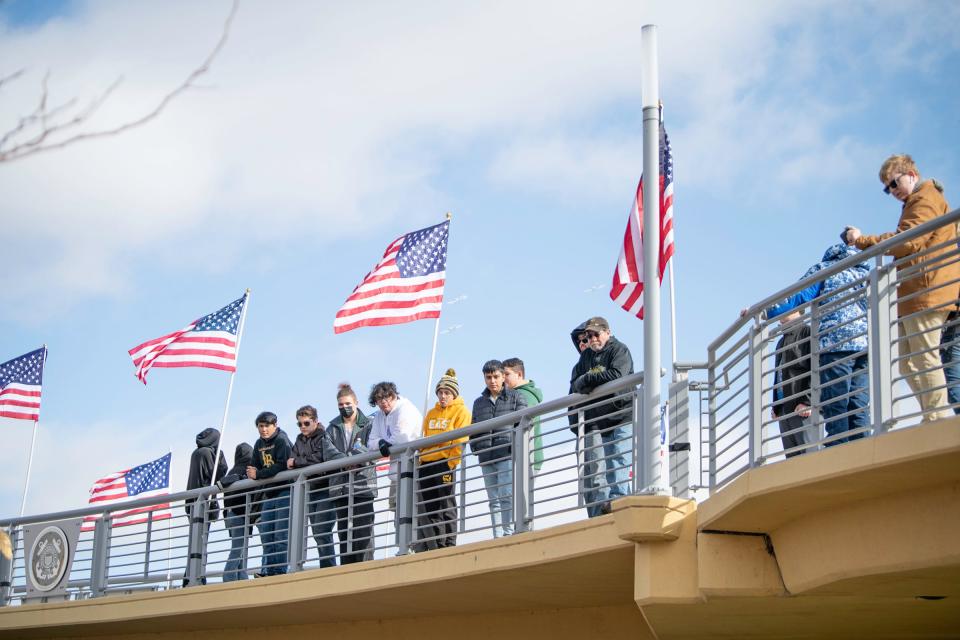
column 449, row 382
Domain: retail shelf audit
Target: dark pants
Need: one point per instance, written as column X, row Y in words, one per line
column 792, row 433
column 950, row 356
column 274, row 532
column 832, row 388
column 437, row 506
column 321, row 511
column 355, row 528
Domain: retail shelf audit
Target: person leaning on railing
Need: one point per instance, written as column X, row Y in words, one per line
column 927, row 288
column 354, row 488
column 238, row 522
column 842, row 340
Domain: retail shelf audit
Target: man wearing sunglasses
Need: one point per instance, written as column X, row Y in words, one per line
column 313, row 447
column 606, row 437
column 927, row 288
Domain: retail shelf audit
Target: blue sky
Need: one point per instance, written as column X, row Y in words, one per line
column 326, row 130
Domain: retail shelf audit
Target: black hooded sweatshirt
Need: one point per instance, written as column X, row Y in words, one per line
column 201, row 467
column 235, row 503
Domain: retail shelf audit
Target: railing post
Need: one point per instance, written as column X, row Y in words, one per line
column 521, row 475
column 195, row 543
column 815, row 377
column 711, row 420
column 6, row 569
column 405, row 506
column 100, row 559
column 755, row 396
column 880, row 349
column 296, row 526
column 581, row 459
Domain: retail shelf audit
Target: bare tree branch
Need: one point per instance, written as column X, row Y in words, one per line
column 50, row 124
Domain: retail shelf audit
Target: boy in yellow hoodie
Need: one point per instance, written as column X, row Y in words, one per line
column 436, row 499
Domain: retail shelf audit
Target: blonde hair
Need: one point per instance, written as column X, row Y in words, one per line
column 897, row 164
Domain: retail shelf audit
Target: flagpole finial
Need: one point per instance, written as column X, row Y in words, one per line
column 449, row 215
column 247, row 291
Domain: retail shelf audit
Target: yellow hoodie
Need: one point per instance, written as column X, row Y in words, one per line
column 440, row 420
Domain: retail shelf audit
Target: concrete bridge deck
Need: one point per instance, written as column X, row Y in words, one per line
column 858, row 540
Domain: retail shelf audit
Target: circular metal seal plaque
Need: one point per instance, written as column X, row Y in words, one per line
column 49, row 558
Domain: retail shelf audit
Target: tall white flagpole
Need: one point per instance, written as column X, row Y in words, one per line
column 226, row 408
column 436, row 336
column 651, row 248
column 33, row 441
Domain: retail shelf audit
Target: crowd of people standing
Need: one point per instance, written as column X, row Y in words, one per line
column 345, row 499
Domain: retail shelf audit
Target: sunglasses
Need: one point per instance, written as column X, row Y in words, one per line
column 892, row 184
column 305, row 423
column 593, row 334
column 583, row 339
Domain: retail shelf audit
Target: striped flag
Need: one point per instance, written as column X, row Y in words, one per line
column 20, row 382
column 147, row 480
column 209, row 342
column 627, row 289
column 406, row 285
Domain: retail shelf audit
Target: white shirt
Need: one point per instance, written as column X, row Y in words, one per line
column 403, row 424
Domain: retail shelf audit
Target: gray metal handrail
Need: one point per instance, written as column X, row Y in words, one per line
column 878, row 250
column 742, row 411
column 113, row 556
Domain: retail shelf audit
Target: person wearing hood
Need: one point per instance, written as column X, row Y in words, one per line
column 842, row 337
column 313, row 447
column 238, row 524
column 514, row 376
column 354, row 489
column 436, row 498
column 270, row 454
column 201, row 469
column 201, row 475
column 927, row 275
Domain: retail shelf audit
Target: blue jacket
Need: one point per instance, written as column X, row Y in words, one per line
column 834, row 338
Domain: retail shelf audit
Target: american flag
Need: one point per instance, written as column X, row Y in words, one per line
column 209, row 342
column 20, row 382
column 627, row 289
column 145, row 481
column 406, row 285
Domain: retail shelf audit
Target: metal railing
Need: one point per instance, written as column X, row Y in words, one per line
column 363, row 507
column 845, row 356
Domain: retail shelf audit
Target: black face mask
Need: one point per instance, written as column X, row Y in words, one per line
column 346, row 412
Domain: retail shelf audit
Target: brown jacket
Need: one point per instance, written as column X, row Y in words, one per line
column 923, row 205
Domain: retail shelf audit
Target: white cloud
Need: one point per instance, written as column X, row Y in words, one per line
column 336, row 118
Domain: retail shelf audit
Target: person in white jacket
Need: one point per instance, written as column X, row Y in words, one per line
column 398, row 421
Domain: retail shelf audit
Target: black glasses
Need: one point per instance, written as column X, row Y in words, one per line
column 593, row 334
column 892, row 184
column 305, row 423
column 583, row 339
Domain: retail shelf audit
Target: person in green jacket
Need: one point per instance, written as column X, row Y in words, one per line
column 515, row 378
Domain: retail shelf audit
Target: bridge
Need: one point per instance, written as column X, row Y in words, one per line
column 822, row 539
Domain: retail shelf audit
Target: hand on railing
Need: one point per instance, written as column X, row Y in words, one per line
column 803, row 410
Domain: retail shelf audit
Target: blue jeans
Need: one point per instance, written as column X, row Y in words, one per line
column 605, row 452
column 830, row 388
column 322, row 513
column 950, row 356
column 236, row 565
column 274, row 524
column 498, row 480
